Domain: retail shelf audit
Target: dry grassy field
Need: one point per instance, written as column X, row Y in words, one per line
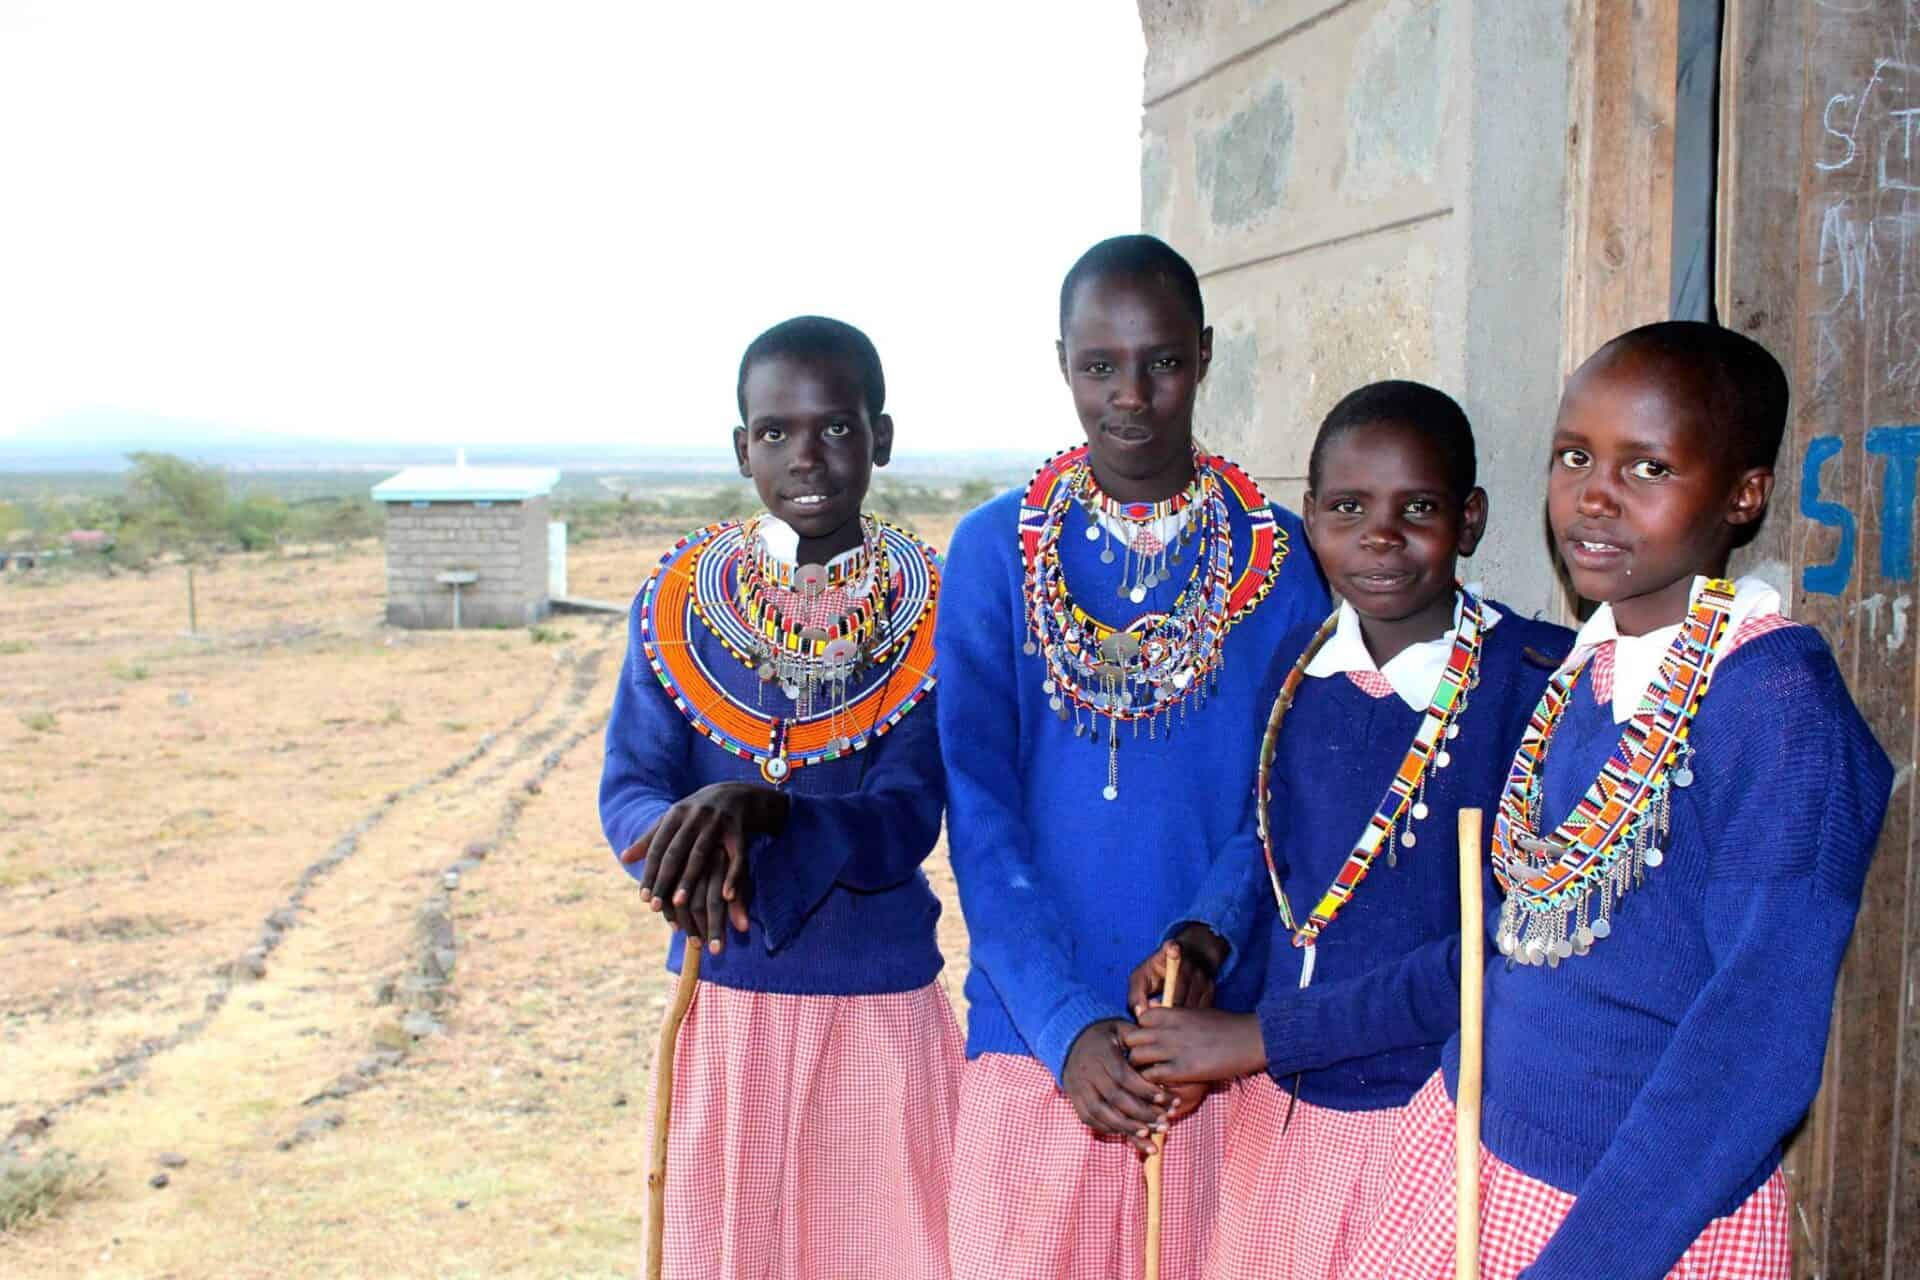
column 313, row 917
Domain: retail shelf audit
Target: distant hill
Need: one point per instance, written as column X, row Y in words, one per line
column 99, row 440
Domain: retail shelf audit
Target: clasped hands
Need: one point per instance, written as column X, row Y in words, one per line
column 1133, row 1079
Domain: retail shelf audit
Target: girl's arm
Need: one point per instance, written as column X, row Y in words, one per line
column 1016, row 936
column 1796, row 829
column 868, row 840
column 645, row 771
column 1741, row 1070
column 1414, row 1001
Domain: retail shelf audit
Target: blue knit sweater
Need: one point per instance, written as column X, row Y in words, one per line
column 1657, row 1077
column 1385, row 995
column 1064, row 891
column 840, row 905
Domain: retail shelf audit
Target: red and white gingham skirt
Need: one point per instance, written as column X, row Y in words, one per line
column 1039, row 1196
column 1293, row 1206
column 1412, row 1239
column 811, row 1136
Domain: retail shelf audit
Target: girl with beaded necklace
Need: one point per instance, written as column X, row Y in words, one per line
column 1102, row 637
column 773, row 780
column 1682, row 843
column 1385, row 719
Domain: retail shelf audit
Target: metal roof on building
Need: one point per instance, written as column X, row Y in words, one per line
column 467, row 484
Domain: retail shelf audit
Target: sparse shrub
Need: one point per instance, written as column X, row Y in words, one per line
column 541, row 634
column 34, row 1189
column 39, row 721
column 130, row 670
column 257, row 521
column 9, row 647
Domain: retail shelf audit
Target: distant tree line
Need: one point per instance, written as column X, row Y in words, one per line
column 170, row 505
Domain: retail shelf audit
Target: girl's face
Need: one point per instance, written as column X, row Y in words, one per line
column 1133, row 357
column 1640, row 494
column 1387, row 527
column 810, row 448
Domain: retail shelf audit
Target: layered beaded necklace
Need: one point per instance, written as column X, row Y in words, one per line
column 1146, row 670
column 814, row 624
column 1562, row 889
column 1405, row 802
column 1153, row 536
column 817, row 636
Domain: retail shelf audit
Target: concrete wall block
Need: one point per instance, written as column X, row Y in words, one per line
column 1398, row 98
column 1243, row 161
column 1370, row 189
column 504, row 544
column 1188, row 38
column 1346, row 127
column 1227, row 415
column 1291, row 337
column 1156, row 183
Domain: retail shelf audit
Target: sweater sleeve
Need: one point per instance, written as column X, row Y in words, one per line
column 1798, row 826
column 868, row 840
column 1414, row 1001
column 645, row 771
column 1018, row 940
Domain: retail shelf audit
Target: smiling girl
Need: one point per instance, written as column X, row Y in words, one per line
column 772, row 778
column 1383, row 720
column 1682, row 841
column 1102, row 638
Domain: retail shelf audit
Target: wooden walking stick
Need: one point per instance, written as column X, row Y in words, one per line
column 663, row 1109
column 1159, row 1142
column 1466, row 1131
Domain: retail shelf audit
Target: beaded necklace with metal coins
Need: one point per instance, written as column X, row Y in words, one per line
column 1563, row 889
column 1153, row 536
column 1147, row 670
column 813, row 624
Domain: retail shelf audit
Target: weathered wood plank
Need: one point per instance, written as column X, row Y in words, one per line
column 1620, row 215
column 1757, row 274
column 1758, row 281
column 1845, row 364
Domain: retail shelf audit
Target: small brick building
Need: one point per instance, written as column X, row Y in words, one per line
column 467, row 546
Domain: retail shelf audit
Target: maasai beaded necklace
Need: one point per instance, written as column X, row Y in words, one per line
column 1146, row 670
column 1607, row 843
column 699, row 578
column 814, row 624
column 1153, row 535
column 1406, row 799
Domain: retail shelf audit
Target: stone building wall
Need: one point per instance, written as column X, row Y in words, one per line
column 505, row 543
column 1371, row 189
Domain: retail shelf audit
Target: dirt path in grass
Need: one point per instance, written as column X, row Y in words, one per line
column 321, row 908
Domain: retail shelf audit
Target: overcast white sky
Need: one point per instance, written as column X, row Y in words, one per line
column 466, row 221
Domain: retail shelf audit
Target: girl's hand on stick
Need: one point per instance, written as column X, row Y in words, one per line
column 696, row 860
column 1107, row 1094
column 1201, row 952
column 1174, row 1047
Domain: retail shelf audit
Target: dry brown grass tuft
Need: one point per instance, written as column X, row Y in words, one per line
column 34, row 1189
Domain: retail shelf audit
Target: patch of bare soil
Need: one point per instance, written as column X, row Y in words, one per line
column 320, row 911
